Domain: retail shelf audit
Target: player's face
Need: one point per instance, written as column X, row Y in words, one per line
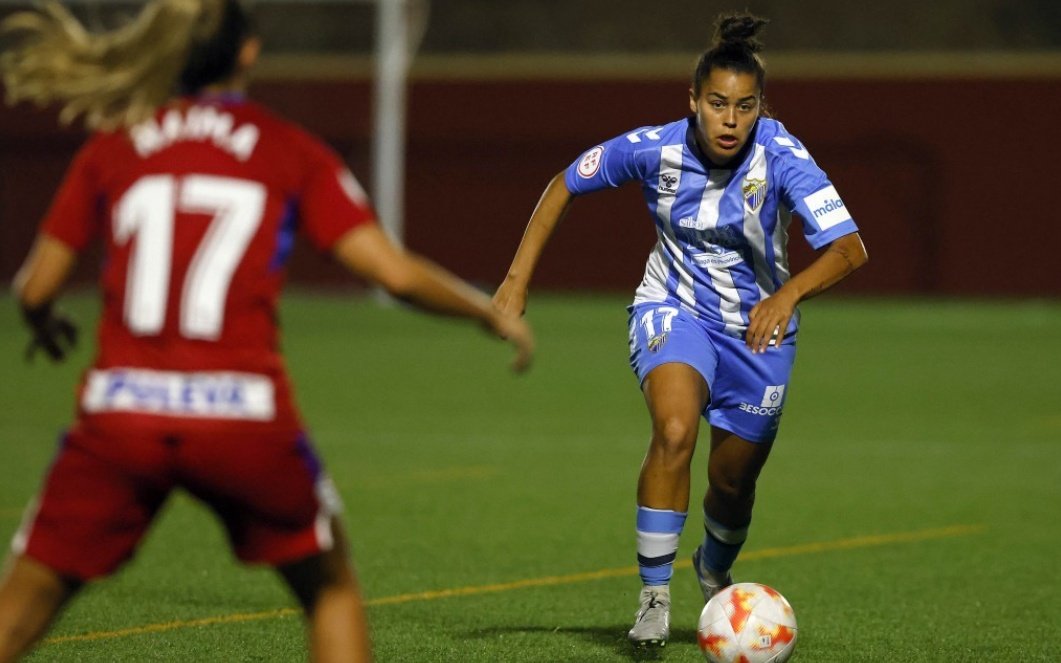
column 726, row 111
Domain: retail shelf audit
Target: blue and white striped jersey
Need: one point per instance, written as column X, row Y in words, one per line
column 723, row 232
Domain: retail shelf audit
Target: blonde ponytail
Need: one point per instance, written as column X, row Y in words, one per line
column 117, row 78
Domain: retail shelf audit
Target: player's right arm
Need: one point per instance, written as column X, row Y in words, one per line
column 36, row 286
column 368, row 252
column 70, row 224
column 44, row 272
column 608, row 165
column 511, row 296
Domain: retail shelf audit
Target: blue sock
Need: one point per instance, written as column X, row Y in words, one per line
column 721, row 546
column 657, row 543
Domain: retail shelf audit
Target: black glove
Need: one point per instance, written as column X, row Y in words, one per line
column 52, row 332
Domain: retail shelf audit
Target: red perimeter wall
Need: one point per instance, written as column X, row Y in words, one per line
column 947, row 179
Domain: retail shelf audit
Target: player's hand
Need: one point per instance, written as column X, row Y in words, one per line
column 53, row 332
column 768, row 321
column 517, row 332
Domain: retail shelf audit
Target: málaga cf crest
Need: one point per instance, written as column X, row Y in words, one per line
column 754, row 193
column 657, row 341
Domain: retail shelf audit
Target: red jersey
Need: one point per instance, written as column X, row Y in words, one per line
column 198, row 208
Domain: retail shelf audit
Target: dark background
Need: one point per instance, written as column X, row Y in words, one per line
column 938, row 127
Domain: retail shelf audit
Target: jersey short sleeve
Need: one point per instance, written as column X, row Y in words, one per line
column 76, row 212
column 332, row 201
column 606, row 166
column 807, row 191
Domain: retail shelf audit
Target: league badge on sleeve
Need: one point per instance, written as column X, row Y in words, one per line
column 590, row 163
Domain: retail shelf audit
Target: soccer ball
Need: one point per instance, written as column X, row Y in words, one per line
column 747, row 623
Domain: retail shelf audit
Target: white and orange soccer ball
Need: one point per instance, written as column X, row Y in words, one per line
column 747, row 623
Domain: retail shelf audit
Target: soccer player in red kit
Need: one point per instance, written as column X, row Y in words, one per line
column 197, row 197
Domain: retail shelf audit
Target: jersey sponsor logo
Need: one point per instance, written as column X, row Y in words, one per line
column 771, row 405
column 723, row 238
column 773, row 395
column 719, row 248
column 197, row 123
column 717, row 257
column 668, row 183
column 827, row 207
column 590, row 162
column 754, row 191
column 221, row 395
column 692, row 223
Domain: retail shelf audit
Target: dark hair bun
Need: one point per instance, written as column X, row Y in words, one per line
column 739, row 29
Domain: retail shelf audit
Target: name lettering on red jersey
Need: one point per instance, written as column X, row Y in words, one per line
column 196, row 123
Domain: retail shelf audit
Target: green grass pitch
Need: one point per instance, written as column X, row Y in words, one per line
column 910, row 511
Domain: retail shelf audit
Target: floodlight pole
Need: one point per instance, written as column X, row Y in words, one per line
column 388, row 136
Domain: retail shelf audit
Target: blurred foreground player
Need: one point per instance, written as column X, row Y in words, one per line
column 713, row 323
column 197, row 194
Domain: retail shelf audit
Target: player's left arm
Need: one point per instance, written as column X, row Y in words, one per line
column 36, row 286
column 368, row 252
column 842, row 256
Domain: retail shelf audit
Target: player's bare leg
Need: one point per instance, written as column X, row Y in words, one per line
column 732, row 471
column 733, row 468
column 675, row 394
column 31, row 595
column 327, row 588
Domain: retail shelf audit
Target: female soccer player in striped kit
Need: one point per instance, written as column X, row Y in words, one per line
column 713, row 324
column 196, row 197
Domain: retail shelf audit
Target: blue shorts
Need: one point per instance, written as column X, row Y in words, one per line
column 747, row 389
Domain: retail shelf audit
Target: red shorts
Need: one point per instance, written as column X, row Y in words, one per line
column 110, row 478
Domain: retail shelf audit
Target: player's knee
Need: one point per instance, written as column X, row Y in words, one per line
column 730, row 489
column 314, row 576
column 674, row 437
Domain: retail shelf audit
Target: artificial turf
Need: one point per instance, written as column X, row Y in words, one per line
column 909, row 511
